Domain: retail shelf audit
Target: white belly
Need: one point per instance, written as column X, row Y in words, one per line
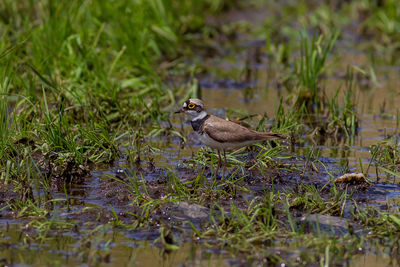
column 208, row 141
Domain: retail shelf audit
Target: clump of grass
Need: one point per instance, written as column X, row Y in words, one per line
column 310, row 66
column 7, row 121
column 343, row 117
column 381, row 224
column 310, row 199
column 289, row 122
column 386, row 157
column 324, row 114
column 245, row 227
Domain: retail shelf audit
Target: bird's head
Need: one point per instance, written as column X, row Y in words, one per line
column 194, row 108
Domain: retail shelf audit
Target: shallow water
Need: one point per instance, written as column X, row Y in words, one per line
column 109, row 248
column 370, row 260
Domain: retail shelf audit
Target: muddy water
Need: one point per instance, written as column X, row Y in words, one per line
column 371, row 260
column 109, row 248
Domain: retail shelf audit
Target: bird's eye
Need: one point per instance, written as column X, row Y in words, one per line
column 191, row 106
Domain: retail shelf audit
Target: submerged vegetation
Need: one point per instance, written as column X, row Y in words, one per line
column 93, row 163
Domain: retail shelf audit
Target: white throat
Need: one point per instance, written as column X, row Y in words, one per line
column 201, row 115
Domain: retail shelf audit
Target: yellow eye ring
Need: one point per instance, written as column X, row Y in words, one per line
column 191, row 106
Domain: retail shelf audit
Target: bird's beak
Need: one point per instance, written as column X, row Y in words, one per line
column 180, row 111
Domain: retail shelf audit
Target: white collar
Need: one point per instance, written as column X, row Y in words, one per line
column 201, row 116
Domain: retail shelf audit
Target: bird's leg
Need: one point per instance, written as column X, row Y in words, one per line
column 219, row 163
column 223, row 171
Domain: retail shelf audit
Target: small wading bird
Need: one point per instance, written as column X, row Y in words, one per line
column 221, row 134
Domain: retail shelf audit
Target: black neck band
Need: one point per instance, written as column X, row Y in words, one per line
column 198, row 124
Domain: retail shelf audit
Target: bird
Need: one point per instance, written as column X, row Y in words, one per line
column 221, row 134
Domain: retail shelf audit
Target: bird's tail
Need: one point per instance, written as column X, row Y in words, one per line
column 273, row 136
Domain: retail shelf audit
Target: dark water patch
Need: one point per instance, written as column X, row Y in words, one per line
column 143, row 234
column 381, row 193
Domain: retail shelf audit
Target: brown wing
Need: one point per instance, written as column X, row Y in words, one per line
column 227, row 131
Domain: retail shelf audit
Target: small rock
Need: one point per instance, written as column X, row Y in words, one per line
column 193, row 211
column 325, row 223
